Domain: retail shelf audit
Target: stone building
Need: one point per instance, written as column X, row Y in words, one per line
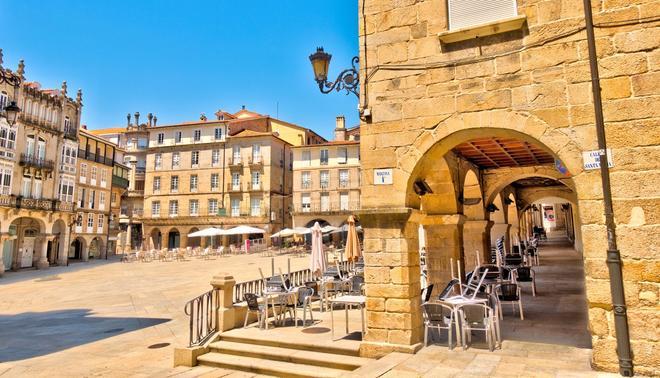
column 473, row 107
column 326, row 179
column 38, row 170
column 234, row 170
column 93, row 197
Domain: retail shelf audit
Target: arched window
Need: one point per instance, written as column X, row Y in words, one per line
column 4, row 100
column 67, row 124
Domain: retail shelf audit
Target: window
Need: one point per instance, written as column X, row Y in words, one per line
column 306, row 203
column 67, row 124
column 306, row 180
column 255, row 207
column 158, row 161
column 155, row 208
column 161, row 138
column 174, row 208
column 90, row 221
column 213, row 207
column 218, row 133
column 4, row 100
column 38, row 187
column 324, row 157
column 236, row 154
column 194, row 158
column 81, row 197
column 176, row 160
column 174, row 184
column 7, row 138
column 93, row 175
column 325, row 202
column 101, row 200
column 256, row 153
column 256, row 180
column 236, row 181
column 193, row 207
column 343, row 178
column 307, row 157
column 99, row 225
column 197, row 135
column 343, row 201
column 235, row 207
column 5, row 181
column 92, row 198
column 342, row 153
column 113, row 198
column 177, row 137
column 83, row 172
column 103, row 177
column 156, row 184
column 215, row 181
column 68, row 155
column 325, row 179
column 26, row 187
column 466, row 13
column 79, row 221
column 193, row 183
column 215, row 157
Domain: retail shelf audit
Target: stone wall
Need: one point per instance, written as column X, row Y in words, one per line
column 534, row 84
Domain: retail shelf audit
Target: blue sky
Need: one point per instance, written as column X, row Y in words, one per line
column 178, row 59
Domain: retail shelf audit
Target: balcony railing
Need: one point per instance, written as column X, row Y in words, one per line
column 7, row 200
column 255, row 187
column 332, row 207
column 234, row 188
column 306, row 185
column 325, row 184
column 71, row 133
column 119, row 182
column 36, row 162
column 344, row 183
column 36, row 121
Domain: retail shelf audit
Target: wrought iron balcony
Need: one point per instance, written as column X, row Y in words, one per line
column 71, row 133
column 326, row 208
column 306, row 185
column 255, row 160
column 233, row 188
column 119, row 182
column 255, row 187
column 36, row 162
column 36, row 121
column 235, row 161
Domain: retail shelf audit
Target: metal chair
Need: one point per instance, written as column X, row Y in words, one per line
column 253, row 306
column 449, row 290
column 304, row 301
column 426, row 293
column 477, row 317
column 356, row 285
column 509, row 293
column 438, row 316
column 525, row 274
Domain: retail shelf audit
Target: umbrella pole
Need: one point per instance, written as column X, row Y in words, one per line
column 288, row 263
column 272, row 266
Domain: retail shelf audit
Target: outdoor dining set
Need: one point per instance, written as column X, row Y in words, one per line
column 475, row 304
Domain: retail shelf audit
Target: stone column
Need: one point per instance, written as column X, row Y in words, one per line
column 202, row 242
column 42, row 263
column 63, row 253
column 129, row 229
column 224, row 284
column 476, row 237
column 392, row 278
column 183, row 240
column 3, row 239
column 163, row 240
column 444, row 242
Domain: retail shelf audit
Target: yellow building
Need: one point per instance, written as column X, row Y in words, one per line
column 326, row 179
column 37, row 173
column 235, row 170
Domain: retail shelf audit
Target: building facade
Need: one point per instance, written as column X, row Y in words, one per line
column 235, row 170
column 326, row 179
column 38, row 165
column 479, row 113
column 93, row 197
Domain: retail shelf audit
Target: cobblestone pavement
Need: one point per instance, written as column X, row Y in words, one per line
column 106, row 318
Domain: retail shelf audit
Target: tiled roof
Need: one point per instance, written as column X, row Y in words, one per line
column 111, row 130
column 331, row 143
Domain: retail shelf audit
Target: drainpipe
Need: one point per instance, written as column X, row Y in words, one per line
column 613, row 255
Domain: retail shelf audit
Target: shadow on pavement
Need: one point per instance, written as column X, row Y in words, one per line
column 33, row 334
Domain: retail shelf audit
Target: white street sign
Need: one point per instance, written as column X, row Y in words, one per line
column 591, row 159
column 383, row 176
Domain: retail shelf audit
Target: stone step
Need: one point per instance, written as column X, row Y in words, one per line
column 335, row 348
column 268, row 367
column 307, row 357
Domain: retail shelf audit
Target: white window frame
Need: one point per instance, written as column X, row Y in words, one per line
column 197, row 135
column 306, row 202
column 6, row 174
column 217, row 133
column 324, row 156
column 215, row 182
column 155, row 208
column 156, row 184
column 193, row 207
column 176, row 160
column 178, row 136
column 173, row 208
column 194, row 183
column 342, row 155
column 158, row 161
column 235, row 207
column 212, row 206
column 255, row 207
column 324, row 179
column 100, row 223
column 174, row 184
column 215, row 157
column 160, row 138
column 194, row 159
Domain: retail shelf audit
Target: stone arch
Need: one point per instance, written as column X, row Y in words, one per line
column 154, row 240
column 495, row 181
column 96, row 246
column 58, row 247
column 471, row 192
column 173, row 238
column 322, row 222
column 193, row 242
column 439, row 173
column 77, row 248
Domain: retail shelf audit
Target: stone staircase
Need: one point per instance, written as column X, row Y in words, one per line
column 281, row 358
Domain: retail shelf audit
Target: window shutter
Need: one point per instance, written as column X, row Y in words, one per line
column 466, row 13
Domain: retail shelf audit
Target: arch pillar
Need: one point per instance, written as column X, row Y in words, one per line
column 42, row 263
column 392, row 275
column 63, row 249
column 183, row 240
column 3, row 239
column 444, row 241
column 164, row 239
column 476, row 237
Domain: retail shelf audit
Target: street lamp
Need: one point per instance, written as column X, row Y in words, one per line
column 347, row 80
column 11, row 113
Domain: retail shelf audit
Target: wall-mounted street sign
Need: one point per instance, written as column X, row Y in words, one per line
column 383, row 176
column 591, row 159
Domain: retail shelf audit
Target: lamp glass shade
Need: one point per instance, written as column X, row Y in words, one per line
column 12, row 111
column 320, row 63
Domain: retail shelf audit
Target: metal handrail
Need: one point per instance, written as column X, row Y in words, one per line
column 202, row 312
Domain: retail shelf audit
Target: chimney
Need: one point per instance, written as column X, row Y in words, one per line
column 150, row 117
column 128, row 120
column 137, row 119
column 243, row 107
column 340, row 128
column 202, row 117
column 84, row 127
column 155, row 120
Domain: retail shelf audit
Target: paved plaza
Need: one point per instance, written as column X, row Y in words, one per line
column 107, row 318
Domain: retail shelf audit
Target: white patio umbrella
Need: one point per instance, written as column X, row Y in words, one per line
column 329, row 228
column 302, row 230
column 317, row 262
column 241, row 230
column 211, row 231
column 283, row 233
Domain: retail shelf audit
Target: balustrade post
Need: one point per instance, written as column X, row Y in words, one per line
column 224, row 284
